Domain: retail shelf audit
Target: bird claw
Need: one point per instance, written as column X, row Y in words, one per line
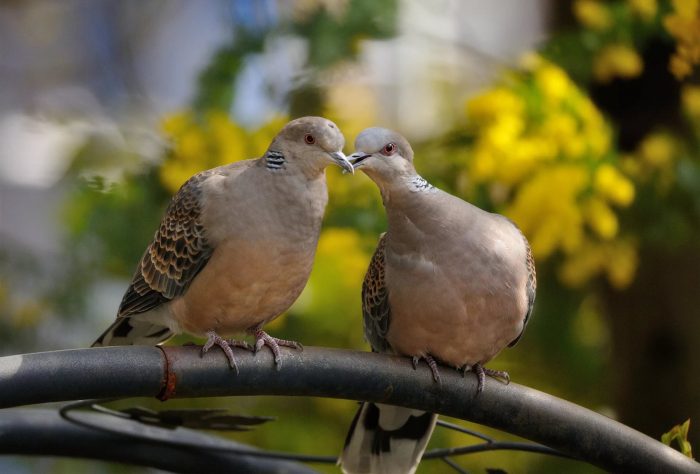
column 264, row 339
column 481, row 373
column 431, row 363
column 213, row 339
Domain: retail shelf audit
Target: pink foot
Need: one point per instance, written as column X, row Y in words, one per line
column 431, row 363
column 213, row 339
column 481, row 373
column 264, row 339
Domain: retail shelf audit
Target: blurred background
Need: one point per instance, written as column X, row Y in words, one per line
column 578, row 120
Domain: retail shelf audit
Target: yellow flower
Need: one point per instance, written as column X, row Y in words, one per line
column 173, row 125
column 345, row 245
column 680, row 67
column 342, row 257
column 593, row 14
column 486, row 106
column 174, row 174
column 192, row 144
column 483, row 165
column 614, row 186
column 684, row 25
column 690, row 97
column 618, row 259
column 550, row 223
column 560, row 128
column 686, row 8
column 621, row 263
column 679, row 27
column 207, row 142
column 580, row 267
column 601, row 218
column 504, row 131
column 352, row 106
column 657, row 150
column 617, row 60
column 226, row 139
column 553, row 82
column 543, row 150
column 630, row 165
column 644, row 8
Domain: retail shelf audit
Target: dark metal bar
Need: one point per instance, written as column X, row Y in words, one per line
column 462, row 429
column 112, row 372
column 454, row 466
column 32, row 431
column 141, row 371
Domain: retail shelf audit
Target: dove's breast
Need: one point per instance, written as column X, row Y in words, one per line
column 262, row 257
column 243, row 285
column 457, row 291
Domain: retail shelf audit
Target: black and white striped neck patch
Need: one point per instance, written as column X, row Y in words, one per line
column 419, row 184
column 274, row 160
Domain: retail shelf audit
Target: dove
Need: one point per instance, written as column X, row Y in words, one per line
column 448, row 282
column 235, row 247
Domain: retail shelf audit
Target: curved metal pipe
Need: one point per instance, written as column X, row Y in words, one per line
column 113, row 372
column 41, row 431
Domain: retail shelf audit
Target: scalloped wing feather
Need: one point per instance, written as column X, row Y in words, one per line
column 376, row 311
column 176, row 255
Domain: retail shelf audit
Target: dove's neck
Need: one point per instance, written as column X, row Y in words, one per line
column 300, row 199
column 416, row 209
column 405, row 189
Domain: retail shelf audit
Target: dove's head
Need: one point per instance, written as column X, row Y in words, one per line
column 311, row 144
column 383, row 155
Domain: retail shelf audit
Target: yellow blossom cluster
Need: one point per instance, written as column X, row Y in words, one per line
column 617, row 60
column 645, row 9
column 690, row 98
column 614, row 57
column 544, row 150
column 593, row 14
column 683, row 23
column 207, row 141
column 653, row 162
column 597, row 14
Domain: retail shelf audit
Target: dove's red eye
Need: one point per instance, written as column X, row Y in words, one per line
column 309, row 139
column 389, row 149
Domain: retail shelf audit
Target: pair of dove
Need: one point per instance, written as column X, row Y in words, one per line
column 448, row 281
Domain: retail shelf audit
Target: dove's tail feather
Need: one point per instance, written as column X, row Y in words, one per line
column 385, row 439
column 128, row 331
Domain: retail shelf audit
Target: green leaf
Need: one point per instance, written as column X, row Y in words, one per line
column 679, row 433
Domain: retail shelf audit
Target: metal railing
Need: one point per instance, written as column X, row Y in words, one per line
column 557, row 426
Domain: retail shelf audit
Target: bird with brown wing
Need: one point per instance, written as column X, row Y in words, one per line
column 235, row 247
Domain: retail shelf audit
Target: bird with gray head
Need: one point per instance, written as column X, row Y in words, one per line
column 235, row 246
column 448, row 282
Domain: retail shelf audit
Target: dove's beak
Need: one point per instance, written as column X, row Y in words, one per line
column 341, row 160
column 357, row 158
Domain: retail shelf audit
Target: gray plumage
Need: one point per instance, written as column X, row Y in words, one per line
column 448, row 281
column 235, row 246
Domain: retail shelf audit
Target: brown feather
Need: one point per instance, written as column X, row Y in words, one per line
column 375, row 300
column 178, row 252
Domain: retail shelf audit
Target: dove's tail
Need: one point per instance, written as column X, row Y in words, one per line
column 128, row 331
column 385, row 439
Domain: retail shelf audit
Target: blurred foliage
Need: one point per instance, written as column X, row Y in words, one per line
column 541, row 146
column 683, row 23
column 208, row 141
column 679, row 434
column 216, row 82
column 334, row 29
